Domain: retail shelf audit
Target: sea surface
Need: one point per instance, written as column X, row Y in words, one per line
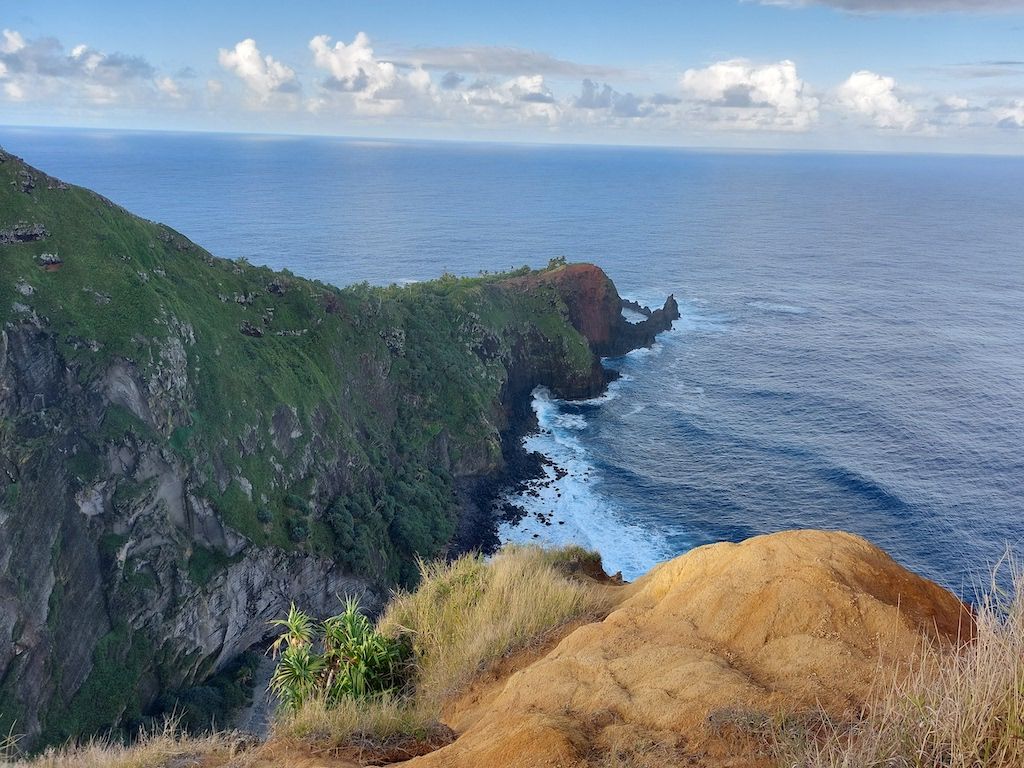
column 851, row 351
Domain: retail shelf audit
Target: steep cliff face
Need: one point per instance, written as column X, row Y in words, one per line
column 187, row 444
column 595, row 308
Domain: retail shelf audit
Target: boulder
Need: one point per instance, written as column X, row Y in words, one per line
column 706, row 648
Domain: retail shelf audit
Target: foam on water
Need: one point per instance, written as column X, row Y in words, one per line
column 566, row 505
column 771, row 306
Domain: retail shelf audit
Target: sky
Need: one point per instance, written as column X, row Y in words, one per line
column 875, row 75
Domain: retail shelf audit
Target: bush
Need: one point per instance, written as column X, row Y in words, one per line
column 338, row 659
column 298, row 529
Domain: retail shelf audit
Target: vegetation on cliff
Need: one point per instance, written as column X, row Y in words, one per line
column 252, row 368
column 186, row 442
column 464, row 616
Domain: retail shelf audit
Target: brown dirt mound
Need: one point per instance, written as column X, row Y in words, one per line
column 707, row 647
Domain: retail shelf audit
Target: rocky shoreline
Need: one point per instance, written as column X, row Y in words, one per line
column 485, row 499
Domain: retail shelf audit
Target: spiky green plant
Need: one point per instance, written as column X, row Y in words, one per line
column 361, row 661
column 353, row 660
column 299, row 629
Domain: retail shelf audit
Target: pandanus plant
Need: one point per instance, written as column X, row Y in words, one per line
column 343, row 656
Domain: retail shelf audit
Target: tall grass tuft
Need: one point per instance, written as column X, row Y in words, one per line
column 468, row 613
column 956, row 709
column 350, row 721
column 463, row 616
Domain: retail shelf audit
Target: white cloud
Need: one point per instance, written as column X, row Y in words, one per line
column 13, row 42
column 523, row 96
column 956, row 104
column 1010, row 115
column 168, row 87
column 594, row 96
column 41, row 70
column 743, row 95
column 263, row 75
column 875, row 97
column 358, row 80
column 908, row 6
column 352, row 67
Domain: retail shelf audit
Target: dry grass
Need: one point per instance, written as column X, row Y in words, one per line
column 960, row 709
column 468, row 613
column 152, row 750
column 377, row 720
column 463, row 616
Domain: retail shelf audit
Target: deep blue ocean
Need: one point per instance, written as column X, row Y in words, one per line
column 851, row 353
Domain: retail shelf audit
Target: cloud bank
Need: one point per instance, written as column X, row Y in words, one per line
column 750, row 96
column 338, row 85
column 41, row 70
column 908, row 6
column 874, row 96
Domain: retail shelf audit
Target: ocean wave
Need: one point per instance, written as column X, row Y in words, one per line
column 784, row 309
column 567, row 506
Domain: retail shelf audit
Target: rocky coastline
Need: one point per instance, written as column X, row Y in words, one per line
column 483, row 499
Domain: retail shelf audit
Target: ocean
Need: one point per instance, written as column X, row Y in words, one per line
column 851, row 351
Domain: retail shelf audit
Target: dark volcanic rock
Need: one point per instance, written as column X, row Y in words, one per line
column 22, row 233
column 595, row 309
column 248, row 329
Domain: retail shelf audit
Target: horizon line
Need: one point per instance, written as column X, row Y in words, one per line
column 534, row 143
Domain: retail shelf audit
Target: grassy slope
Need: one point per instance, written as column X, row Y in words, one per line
column 125, row 283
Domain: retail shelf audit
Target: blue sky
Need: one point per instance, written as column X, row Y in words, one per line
column 921, row 75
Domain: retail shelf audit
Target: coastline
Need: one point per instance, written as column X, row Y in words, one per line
column 481, row 498
column 485, row 500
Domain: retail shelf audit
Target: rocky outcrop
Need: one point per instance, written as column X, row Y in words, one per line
column 22, row 233
column 595, row 309
column 704, row 650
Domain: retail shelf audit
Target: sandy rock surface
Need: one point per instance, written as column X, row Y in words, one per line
column 703, row 649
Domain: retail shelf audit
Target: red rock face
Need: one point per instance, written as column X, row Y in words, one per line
column 594, row 304
column 595, row 309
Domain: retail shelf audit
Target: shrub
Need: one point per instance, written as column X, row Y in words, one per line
column 341, row 658
column 298, row 529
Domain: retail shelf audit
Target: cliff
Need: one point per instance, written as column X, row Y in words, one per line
column 188, row 443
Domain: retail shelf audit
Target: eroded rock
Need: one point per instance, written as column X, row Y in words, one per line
column 705, row 649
